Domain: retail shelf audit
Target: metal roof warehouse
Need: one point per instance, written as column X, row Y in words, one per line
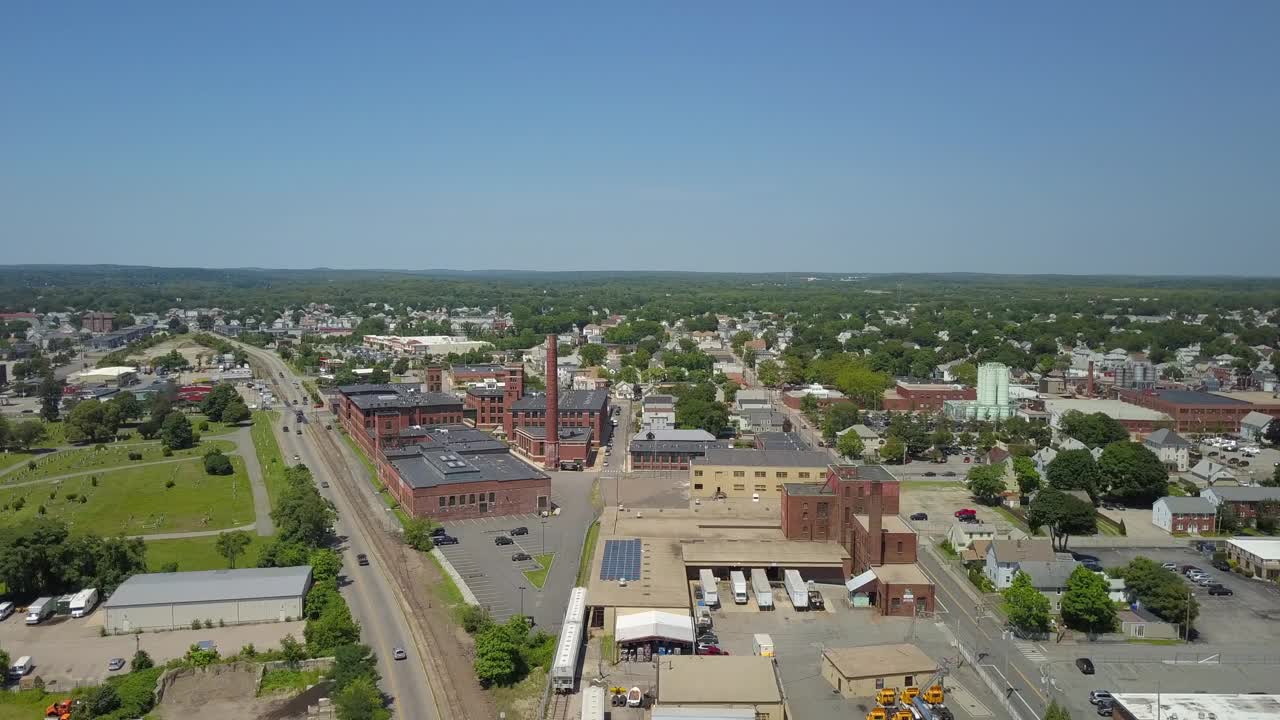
column 175, row 600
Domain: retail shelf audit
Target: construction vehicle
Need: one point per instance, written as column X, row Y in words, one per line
column 909, row 694
column 60, row 709
column 877, row 713
column 935, row 695
column 903, row 714
column 888, row 697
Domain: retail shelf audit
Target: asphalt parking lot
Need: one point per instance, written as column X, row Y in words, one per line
column 800, row 637
column 71, row 652
column 495, row 579
column 1260, row 467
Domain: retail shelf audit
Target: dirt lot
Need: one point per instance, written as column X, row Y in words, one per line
column 71, row 652
column 225, row 691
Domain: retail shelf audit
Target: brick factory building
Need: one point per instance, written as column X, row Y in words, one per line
column 670, row 449
column 456, row 473
column 578, row 409
column 493, row 395
column 375, row 415
column 924, row 397
column 1194, row 411
column 97, row 322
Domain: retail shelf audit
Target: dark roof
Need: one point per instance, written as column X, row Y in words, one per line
column 696, row 447
column 455, row 438
column 806, row 489
column 489, row 369
column 781, row 441
column 874, row 472
column 424, row 466
column 1165, row 437
column 766, row 458
column 566, row 434
column 367, row 396
column 486, row 391
column 570, row 400
column 1194, row 397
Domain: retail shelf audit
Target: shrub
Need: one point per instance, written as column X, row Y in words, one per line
column 71, row 497
column 93, row 480
column 169, row 567
column 208, row 624
column 218, row 464
column 135, row 456
column 31, row 464
column 204, row 425
column 99, row 446
column 167, row 452
column 53, row 494
column 84, row 499
column 169, row 483
column 40, row 510
column 19, row 504
column 195, row 624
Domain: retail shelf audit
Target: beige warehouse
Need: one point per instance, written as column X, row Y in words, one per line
column 744, row 473
column 859, row 672
column 169, row 601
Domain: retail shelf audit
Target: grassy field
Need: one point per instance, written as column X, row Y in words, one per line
column 11, row 458
column 113, row 456
column 215, row 428
column 588, row 549
column 520, row 701
column 135, row 501
column 286, row 681
column 198, row 553
column 268, row 451
column 539, row 577
column 26, row 704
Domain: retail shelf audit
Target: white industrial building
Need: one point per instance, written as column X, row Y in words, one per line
column 993, row 401
column 438, row 345
column 170, row 601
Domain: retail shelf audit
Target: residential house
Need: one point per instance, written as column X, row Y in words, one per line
column 1171, row 448
column 1004, row 558
column 659, row 413
column 1253, row 425
column 1210, row 472
column 1042, row 458
column 1192, row 515
column 871, row 440
column 1049, row 576
column 963, row 535
column 1138, row 622
column 1245, row 501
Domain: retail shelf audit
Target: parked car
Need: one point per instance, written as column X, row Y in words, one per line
column 966, row 512
column 1096, row 696
column 1092, row 565
column 1085, row 665
column 1222, row 565
column 446, row 540
column 519, row 556
column 438, row 531
column 1106, row 709
column 324, row 483
column 931, row 474
column 709, row 637
column 710, row 650
column 1217, row 589
column 362, row 559
column 949, row 473
column 1170, row 566
column 920, row 516
column 285, row 428
column 522, row 530
column 502, row 540
column 115, row 664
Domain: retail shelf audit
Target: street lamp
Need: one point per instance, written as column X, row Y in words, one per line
column 521, row 600
column 544, row 535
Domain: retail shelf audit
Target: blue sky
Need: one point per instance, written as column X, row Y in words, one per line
column 1093, row 137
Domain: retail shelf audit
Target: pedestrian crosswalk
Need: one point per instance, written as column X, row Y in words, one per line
column 1029, row 650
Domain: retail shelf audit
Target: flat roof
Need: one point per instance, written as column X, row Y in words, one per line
column 661, row 583
column 1265, row 548
column 369, row 396
column 1256, row 397
column 754, row 553
column 901, row 575
column 1195, row 397
column 888, row 523
column 709, row 679
column 931, row 386
column 1117, row 409
column 211, row 586
column 570, row 400
column 427, row 466
column 1188, row 706
column 880, row 660
column 751, row 457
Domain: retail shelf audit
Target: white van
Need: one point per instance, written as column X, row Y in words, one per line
column 21, row 667
column 6, row 609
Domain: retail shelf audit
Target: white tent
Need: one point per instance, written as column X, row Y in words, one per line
column 654, row 625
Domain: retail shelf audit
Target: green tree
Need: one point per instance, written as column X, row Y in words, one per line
column 986, row 441
column 1024, row 469
column 96, row 702
column 218, row 398
column 695, row 412
column 840, row 416
column 1133, row 473
column 417, row 534
column 592, row 354
column 235, row 412
column 50, row 397
column 1026, row 607
column 496, row 656
column 892, row 450
column 334, row 627
column 325, row 564
column 292, row 652
column 89, row 420
column 1063, row 515
column 965, row 373
column 400, row 366
column 1161, row 591
column 1094, row 429
column 215, row 463
column 4, row 659
column 1056, row 712
column 850, row 446
column 986, row 482
column 1086, row 604
column 128, row 405
column 232, row 545
column 27, row 433
column 1074, row 470
column 351, row 661
column 199, row 657
column 769, row 374
column 302, row 515
column 141, row 661
column 360, row 700
column 379, row 376
column 175, row 432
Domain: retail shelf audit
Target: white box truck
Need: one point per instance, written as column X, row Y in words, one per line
column 710, row 592
column 84, row 602
column 761, row 588
column 40, row 610
column 762, row 644
column 739, row 583
column 797, row 589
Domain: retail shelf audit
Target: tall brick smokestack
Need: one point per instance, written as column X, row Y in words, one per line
column 1089, row 383
column 552, row 444
column 875, row 506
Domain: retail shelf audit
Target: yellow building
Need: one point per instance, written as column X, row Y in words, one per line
column 711, row 682
column 860, row 672
column 757, row 474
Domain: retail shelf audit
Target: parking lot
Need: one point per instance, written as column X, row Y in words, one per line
column 495, row 579
column 69, row 652
column 1260, row 466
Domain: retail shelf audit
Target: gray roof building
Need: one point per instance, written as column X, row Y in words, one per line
column 1187, row 505
column 764, row 458
column 1165, row 437
column 454, row 438
column 1255, row 421
column 369, row 396
column 423, row 466
column 1249, row 494
column 570, row 401
column 211, row 586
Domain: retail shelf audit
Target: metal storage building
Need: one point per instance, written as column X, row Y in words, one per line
column 167, row 601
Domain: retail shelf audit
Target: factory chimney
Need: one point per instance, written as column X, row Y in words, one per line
column 551, row 444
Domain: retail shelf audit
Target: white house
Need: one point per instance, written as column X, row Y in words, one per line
column 961, row 535
column 1253, row 425
column 1171, row 448
column 1211, row 472
column 1192, row 515
column 1005, row 556
column 871, row 441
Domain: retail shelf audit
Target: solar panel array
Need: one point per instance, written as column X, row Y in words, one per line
column 621, row 560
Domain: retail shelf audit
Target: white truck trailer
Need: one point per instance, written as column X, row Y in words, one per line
column 739, row 583
column 84, row 602
column 763, row 591
column 797, row 589
column 40, row 610
column 762, row 644
column 710, row 591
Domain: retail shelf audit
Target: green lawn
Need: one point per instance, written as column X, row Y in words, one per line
column 112, row 456
column 215, row 428
column 198, row 553
column 13, row 457
column 26, row 704
column 268, row 451
column 539, row 577
column 135, row 501
column 287, row 682
column 1005, row 513
column 588, row 549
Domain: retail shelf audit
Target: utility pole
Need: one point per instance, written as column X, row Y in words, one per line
column 521, row 600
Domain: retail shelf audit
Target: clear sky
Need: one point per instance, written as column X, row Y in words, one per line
column 1140, row 136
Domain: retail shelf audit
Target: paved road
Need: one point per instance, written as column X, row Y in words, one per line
column 368, row 591
column 243, row 438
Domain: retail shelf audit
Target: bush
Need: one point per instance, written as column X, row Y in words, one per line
column 169, row 483
column 195, row 624
column 167, row 452
column 71, row 497
column 474, row 618
column 40, row 510
column 208, row 624
column 136, row 690
column 93, row 480
column 84, row 499
column 135, row 456
column 218, row 464
column 169, row 567
column 19, row 504
column 31, row 465
column 204, row 425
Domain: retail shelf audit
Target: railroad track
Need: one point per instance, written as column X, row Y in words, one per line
column 391, row 550
column 559, row 708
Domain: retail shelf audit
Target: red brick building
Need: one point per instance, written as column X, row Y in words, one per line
column 577, row 409
column 576, row 444
column 375, row 415
column 456, row 473
column 97, row 322
column 857, row 507
column 1194, row 411
column 924, row 397
column 491, row 397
